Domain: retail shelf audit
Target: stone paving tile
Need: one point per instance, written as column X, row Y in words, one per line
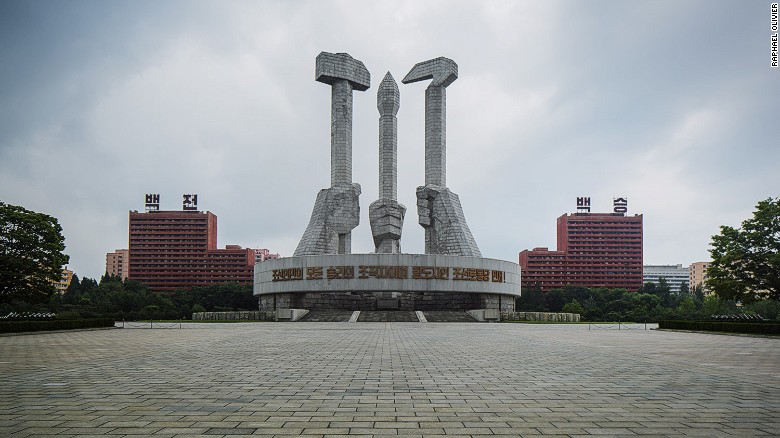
column 143, row 431
column 388, row 379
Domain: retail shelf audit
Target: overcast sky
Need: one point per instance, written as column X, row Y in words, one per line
column 672, row 104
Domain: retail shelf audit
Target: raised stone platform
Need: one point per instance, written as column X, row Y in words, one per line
column 387, row 282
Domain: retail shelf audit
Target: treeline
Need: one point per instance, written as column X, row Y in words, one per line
column 651, row 303
column 130, row 300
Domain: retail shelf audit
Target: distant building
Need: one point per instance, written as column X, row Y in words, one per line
column 594, row 250
column 64, row 282
column 262, row 254
column 675, row 275
column 171, row 250
column 543, row 268
column 698, row 275
column 118, row 263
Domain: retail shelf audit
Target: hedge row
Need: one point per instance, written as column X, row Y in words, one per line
column 723, row 326
column 65, row 324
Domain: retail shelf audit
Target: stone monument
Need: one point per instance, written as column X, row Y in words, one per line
column 322, row 274
column 337, row 209
column 386, row 214
column 439, row 209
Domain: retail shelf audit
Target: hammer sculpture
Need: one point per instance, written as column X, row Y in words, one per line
column 438, row 209
column 337, row 209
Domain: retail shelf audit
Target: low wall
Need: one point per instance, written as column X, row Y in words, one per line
column 254, row 315
column 428, row 273
column 483, row 315
column 540, row 316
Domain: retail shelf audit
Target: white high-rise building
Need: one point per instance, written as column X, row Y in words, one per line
column 675, row 275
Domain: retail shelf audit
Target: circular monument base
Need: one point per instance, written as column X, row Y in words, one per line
column 387, row 282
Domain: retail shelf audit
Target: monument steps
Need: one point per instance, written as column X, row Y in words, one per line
column 448, row 316
column 388, row 316
column 327, row 315
column 340, row 315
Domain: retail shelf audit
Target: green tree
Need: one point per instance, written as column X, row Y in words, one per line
column 662, row 291
column 217, row 297
column 554, row 300
column 698, row 292
column 766, row 308
column 579, row 293
column 573, row 307
column 75, row 284
column 197, row 308
column 686, row 309
column 31, row 254
column 531, row 300
column 714, row 305
column 116, row 298
column 746, row 262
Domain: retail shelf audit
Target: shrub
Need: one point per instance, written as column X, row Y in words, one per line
column 68, row 315
column 723, row 326
column 65, row 324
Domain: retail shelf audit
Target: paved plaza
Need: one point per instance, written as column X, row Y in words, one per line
column 388, row 379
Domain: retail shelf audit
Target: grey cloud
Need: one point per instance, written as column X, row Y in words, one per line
column 102, row 102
